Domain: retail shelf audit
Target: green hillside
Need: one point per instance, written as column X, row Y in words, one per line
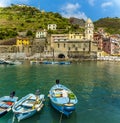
column 16, row 18
column 111, row 25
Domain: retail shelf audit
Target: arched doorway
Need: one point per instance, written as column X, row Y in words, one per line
column 61, row 56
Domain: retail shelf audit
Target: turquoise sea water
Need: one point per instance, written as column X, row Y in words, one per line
column 96, row 84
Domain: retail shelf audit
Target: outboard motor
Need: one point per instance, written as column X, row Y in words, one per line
column 37, row 92
column 12, row 94
column 57, row 81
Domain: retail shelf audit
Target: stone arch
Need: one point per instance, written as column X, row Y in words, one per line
column 61, row 56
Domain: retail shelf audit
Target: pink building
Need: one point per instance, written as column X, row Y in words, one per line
column 111, row 45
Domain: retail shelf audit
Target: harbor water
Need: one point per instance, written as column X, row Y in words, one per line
column 96, row 85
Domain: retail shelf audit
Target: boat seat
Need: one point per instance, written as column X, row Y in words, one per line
column 62, row 100
column 58, row 89
column 27, row 105
column 31, row 103
column 2, row 109
column 5, row 105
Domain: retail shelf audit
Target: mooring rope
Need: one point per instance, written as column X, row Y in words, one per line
column 60, row 117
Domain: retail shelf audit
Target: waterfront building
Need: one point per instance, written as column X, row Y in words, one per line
column 111, row 45
column 23, row 45
column 74, row 44
column 39, row 41
column 58, row 45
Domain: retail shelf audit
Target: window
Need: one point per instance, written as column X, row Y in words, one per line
column 73, row 45
column 64, row 45
column 58, row 45
column 76, row 48
column 69, row 48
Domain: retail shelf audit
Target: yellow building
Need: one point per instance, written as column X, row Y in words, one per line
column 76, row 36
column 22, row 41
column 23, row 45
column 65, row 46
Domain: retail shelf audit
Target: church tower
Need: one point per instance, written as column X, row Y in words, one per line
column 89, row 29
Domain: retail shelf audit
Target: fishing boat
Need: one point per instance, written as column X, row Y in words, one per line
column 57, row 62
column 6, row 103
column 28, row 106
column 62, row 98
column 64, row 62
column 2, row 61
column 10, row 62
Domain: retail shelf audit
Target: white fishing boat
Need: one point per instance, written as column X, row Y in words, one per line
column 28, row 106
column 2, row 61
column 10, row 62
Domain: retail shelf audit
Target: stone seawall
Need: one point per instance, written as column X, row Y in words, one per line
column 12, row 55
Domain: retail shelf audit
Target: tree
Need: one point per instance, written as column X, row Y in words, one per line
column 29, row 33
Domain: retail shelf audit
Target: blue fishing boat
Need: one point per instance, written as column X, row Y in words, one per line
column 6, row 103
column 64, row 62
column 57, row 62
column 62, row 99
column 28, row 106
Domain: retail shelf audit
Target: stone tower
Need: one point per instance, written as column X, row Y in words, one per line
column 89, row 28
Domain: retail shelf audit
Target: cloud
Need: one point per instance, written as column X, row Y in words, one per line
column 106, row 4
column 71, row 7
column 91, row 2
column 72, row 10
column 4, row 3
column 117, row 2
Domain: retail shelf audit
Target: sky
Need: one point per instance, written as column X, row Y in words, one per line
column 82, row 9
